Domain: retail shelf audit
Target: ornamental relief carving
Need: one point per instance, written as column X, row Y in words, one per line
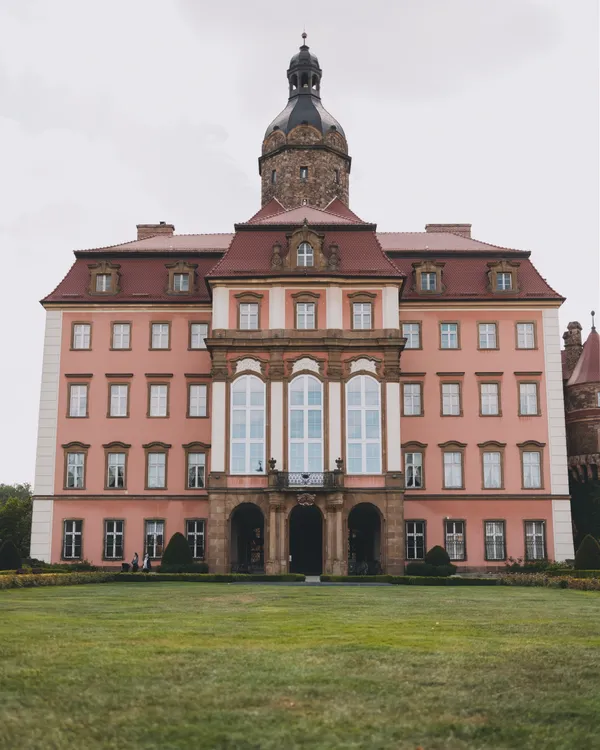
column 248, row 364
column 306, row 363
column 365, row 364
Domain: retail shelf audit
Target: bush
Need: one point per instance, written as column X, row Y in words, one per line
column 178, row 551
column 428, row 569
column 54, row 579
column 355, row 579
column 437, row 556
column 10, row 559
column 206, row 577
column 192, row 568
column 441, row 581
column 587, row 556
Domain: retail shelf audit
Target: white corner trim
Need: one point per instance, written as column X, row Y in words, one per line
column 391, row 307
column 563, row 530
column 363, row 364
column 248, row 363
column 333, row 310
column 218, row 427
column 277, row 307
column 41, row 529
column 392, row 417
column 277, row 423
column 220, row 308
column 335, row 423
column 306, row 363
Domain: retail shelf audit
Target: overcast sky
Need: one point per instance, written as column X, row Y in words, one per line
column 121, row 112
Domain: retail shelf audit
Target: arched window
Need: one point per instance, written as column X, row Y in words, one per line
column 248, row 425
column 363, row 425
column 306, row 254
column 306, row 424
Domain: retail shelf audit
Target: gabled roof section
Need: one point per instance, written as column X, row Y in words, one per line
column 269, row 209
column 406, row 242
column 165, row 245
column 310, row 214
column 587, row 369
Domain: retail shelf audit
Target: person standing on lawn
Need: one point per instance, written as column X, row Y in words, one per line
column 135, row 563
column 147, row 565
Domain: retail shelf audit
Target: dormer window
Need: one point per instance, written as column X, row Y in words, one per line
column 104, row 278
column 503, row 281
column 306, row 254
column 181, row 282
column 103, row 282
column 428, row 281
column 428, row 277
column 502, row 276
column 304, row 173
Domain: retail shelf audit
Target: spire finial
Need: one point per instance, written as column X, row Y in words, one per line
column 593, row 321
column 304, row 35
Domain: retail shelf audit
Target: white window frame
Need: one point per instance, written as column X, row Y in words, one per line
column 494, row 533
column 413, row 470
column 114, row 462
column 198, row 400
column 414, row 533
column 156, row 470
column 250, row 410
column 75, row 470
column 312, row 415
column 488, row 335
column 248, row 316
column 525, row 335
column 449, row 335
column 154, row 528
column 72, row 537
column 412, row 333
column 451, row 399
column 362, row 316
column 428, row 281
column 412, row 399
column 121, row 336
column 103, row 282
column 453, row 470
column 503, row 281
column 528, row 399
column 78, row 399
column 195, row 532
column 114, row 536
column 492, row 470
column 82, row 336
column 119, row 396
column 305, row 314
column 305, row 255
column 181, row 282
column 196, row 468
column 532, row 469
column 535, row 540
column 160, row 335
column 198, row 332
column 159, row 400
column 455, row 539
column 489, row 395
column 366, row 444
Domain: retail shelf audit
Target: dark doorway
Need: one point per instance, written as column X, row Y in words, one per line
column 306, row 540
column 364, row 540
column 247, row 539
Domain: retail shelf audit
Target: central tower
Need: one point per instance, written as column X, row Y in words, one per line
column 304, row 153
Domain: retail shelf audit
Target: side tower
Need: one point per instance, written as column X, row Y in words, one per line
column 304, row 153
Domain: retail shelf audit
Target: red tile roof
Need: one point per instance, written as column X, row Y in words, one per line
column 164, row 244
column 270, row 208
column 436, row 241
column 587, row 369
column 305, row 213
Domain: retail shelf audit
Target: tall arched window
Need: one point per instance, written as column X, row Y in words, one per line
column 363, row 425
column 248, row 425
column 306, row 254
column 306, row 424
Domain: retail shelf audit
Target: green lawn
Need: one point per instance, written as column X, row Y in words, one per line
column 182, row 665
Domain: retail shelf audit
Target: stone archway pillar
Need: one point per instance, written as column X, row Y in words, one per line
column 335, row 564
column 275, row 562
column 217, row 552
column 394, row 524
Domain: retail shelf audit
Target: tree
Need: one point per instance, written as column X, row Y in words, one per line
column 587, row 556
column 10, row 559
column 177, row 551
column 16, row 507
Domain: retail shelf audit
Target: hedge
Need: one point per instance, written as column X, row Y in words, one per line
column 442, row 581
column 355, row 579
column 205, row 577
column 24, row 581
column 550, row 581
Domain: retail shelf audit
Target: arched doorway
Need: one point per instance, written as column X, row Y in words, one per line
column 364, row 540
column 306, row 540
column 247, row 539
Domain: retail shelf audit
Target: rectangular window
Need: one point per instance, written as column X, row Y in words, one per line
column 489, row 394
column 487, row 336
column 157, row 464
column 495, row 546
column 195, row 470
column 197, row 401
column 361, row 316
column 492, row 470
column 413, row 470
column 428, row 281
column 159, row 400
column 412, row 333
column 503, row 281
column 535, row 542
column 412, row 399
column 195, row 536
column 598, row 398
column 118, row 400
column 273, row 176
column 451, row 399
column 449, row 335
column 525, row 336
column 181, row 282
column 528, row 399
column 415, row 540
column 75, row 470
column 305, row 315
column 249, row 316
column 336, row 173
column 198, row 332
column 78, row 396
column 304, row 173
column 160, row 335
column 155, row 536
column 455, row 539
column 113, row 540
column 72, row 533
column 103, row 282
column 453, row 470
column 82, row 335
column 115, row 471
column 121, row 336
column 532, row 470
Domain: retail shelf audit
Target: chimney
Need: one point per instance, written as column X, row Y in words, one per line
column 463, row 230
column 151, row 230
column 573, row 347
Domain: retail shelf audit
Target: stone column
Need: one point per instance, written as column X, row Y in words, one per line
column 217, row 537
column 394, row 524
column 334, row 563
column 273, row 562
column 283, row 546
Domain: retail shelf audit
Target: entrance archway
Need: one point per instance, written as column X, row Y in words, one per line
column 247, row 540
column 306, row 540
column 364, row 540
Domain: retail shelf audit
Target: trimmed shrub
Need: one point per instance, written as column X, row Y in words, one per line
column 437, row 556
column 427, row 569
column 192, row 568
column 442, row 581
column 550, row 581
column 587, row 556
column 205, row 577
column 53, row 579
column 177, row 552
column 355, row 579
column 10, row 559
